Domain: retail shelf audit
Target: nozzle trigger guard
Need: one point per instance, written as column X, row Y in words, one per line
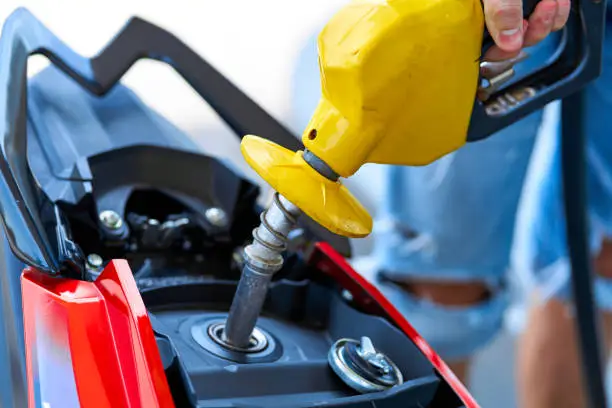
column 577, row 61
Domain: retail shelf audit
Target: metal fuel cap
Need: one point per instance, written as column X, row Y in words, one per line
column 362, row 367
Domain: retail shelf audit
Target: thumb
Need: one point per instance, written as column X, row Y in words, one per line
column 504, row 19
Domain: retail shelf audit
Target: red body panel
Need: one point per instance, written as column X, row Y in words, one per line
column 326, row 259
column 91, row 344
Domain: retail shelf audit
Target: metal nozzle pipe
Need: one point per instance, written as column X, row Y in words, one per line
column 262, row 260
column 246, row 307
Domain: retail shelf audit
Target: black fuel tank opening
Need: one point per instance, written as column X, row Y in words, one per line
column 305, row 319
column 207, row 332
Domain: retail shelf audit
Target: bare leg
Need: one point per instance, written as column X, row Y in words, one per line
column 451, row 294
column 549, row 372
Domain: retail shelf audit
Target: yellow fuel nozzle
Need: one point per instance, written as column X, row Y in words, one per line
column 325, row 200
column 398, row 80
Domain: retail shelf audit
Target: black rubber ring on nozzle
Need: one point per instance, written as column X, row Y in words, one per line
column 320, row 166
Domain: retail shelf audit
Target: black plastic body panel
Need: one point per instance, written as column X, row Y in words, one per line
column 34, row 225
column 199, row 182
column 305, row 318
column 63, row 136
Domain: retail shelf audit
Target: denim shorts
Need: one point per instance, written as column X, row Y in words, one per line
column 491, row 212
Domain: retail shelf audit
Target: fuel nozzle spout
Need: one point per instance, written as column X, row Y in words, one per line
column 263, row 258
column 304, row 184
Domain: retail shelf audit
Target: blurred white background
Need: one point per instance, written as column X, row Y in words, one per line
column 256, row 44
column 239, row 38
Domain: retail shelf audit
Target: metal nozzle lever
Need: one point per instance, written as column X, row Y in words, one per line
column 262, row 259
column 497, row 73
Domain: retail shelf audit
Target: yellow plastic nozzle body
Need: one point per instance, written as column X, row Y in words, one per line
column 398, row 79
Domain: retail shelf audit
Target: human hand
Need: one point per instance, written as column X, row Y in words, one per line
column 511, row 33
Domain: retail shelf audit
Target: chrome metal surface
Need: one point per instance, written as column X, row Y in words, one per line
column 496, row 74
column 257, row 342
column 373, row 372
column 208, row 331
column 111, row 219
column 216, row 216
column 347, row 295
column 492, row 69
column 94, row 261
column 93, row 266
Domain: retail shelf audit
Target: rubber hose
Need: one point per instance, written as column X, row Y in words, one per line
column 573, row 159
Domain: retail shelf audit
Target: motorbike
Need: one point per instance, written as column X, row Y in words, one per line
column 122, row 246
